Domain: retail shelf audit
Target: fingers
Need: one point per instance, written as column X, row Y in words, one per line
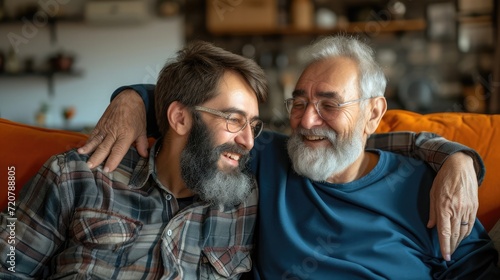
column 444, row 241
column 455, row 238
column 119, row 148
column 142, row 145
column 466, row 225
column 465, row 229
column 101, row 152
column 461, row 228
column 471, row 219
column 453, row 229
column 432, row 211
column 452, row 232
column 93, row 141
column 118, row 151
column 444, row 230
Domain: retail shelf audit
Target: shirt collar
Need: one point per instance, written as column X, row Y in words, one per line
column 145, row 168
column 145, row 171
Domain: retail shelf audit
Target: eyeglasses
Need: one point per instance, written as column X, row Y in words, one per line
column 327, row 109
column 235, row 122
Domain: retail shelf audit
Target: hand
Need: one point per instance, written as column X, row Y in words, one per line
column 123, row 122
column 454, row 200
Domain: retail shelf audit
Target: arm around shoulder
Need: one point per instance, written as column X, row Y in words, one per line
column 426, row 146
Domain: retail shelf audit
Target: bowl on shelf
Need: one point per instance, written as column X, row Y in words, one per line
column 61, row 62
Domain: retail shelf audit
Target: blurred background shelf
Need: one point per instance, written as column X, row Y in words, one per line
column 50, row 76
column 353, row 27
column 437, row 55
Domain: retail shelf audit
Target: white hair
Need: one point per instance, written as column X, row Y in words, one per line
column 372, row 81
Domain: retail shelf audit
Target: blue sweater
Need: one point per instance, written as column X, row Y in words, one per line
column 372, row 228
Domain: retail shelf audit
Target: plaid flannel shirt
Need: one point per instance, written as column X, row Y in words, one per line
column 76, row 223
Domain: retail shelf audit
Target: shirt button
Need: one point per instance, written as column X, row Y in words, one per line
column 169, row 232
column 169, row 196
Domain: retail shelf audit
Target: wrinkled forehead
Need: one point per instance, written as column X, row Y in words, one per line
column 318, row 93
column 336, row 90
column 335, row 77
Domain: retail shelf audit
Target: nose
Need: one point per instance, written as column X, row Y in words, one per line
column 244, row 138
column 311, row 117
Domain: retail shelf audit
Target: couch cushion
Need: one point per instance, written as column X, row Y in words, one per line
column 478, row 131
column 26, row 148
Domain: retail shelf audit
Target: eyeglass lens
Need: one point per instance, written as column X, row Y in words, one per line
column 236, row 122
column 327, row 109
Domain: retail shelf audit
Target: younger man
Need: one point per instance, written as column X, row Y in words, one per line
column 186, row 212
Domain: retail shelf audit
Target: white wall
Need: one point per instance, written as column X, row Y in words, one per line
column 109, row 56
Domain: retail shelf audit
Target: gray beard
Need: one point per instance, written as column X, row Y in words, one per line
column 225, row 189
column 201, row 174
column 319, row 164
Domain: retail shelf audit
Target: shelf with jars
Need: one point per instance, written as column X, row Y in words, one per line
column 58, row 65
column 302, row 17
column 352, row 27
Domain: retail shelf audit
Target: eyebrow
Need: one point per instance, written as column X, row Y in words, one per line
column 322, row 94
column 298, row 93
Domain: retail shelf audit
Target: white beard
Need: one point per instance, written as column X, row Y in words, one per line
column 319, row 164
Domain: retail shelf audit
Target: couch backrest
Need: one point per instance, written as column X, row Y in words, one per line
column 26, row 148
column 478, row 131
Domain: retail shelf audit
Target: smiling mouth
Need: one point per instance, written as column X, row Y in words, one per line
column 232, row 156
column 314, row 137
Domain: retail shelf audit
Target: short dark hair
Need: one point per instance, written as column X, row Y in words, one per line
column 193, row 77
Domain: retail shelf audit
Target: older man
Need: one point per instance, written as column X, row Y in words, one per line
column 186, row 212
column 328, row 208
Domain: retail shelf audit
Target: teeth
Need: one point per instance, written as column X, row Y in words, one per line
column 232, row 156
column 314, row 138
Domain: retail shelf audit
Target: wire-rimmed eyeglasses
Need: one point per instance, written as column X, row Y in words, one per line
column 235, row 122
column 326, row 108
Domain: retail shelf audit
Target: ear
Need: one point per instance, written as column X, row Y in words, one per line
column 378, row 107
column 179, row 118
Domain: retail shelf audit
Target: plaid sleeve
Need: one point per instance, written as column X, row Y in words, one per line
column 426, row 146
column 37, row 225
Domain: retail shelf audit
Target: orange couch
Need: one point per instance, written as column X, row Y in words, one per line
column 26, row 148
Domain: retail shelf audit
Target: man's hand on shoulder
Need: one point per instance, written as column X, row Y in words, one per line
column 122, row 124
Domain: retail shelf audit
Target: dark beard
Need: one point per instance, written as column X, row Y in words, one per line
column 201, row 174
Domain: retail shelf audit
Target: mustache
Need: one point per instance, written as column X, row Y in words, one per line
column 328, row 133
